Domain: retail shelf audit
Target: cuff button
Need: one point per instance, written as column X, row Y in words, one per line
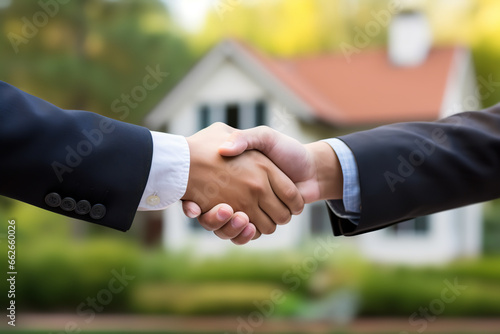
column 83, row 207
column 153, row 200
column 98, row 211
column 68, row 204
column 53, row 200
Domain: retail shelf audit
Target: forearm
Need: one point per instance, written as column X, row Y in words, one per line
column 76, row 154
column 412, row 169
column 328, row 171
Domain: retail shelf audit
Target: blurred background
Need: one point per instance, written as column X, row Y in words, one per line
column 310, row 68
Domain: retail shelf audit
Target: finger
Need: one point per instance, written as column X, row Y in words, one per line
column 248, row 233
column 276, row 210
column 286, row 191
column 257, row 234
column 262, row 221
column 191, row 209
column 261, row 138
column 216, row 217
column 233, row 227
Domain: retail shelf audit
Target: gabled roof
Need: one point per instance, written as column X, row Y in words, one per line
column 366, row 90
column 234, row 52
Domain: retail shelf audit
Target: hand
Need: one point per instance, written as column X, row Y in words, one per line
column 221, row 220
column 315, row 167
column 250, row 182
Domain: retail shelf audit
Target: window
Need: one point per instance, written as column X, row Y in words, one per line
column 260, row 113
column 237, row 115
column 415, row 227
column 194, row 225
column 232, row 115
column 204, row 116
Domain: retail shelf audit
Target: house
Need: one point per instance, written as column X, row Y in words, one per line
column 321, row 96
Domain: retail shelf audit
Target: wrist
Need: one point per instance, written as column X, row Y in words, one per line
column 328, row 171
column 197, row 169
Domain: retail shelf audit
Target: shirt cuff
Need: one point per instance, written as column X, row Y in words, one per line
column 169, row 172
column 350, row 205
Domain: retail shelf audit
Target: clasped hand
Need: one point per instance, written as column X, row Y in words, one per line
column 242, row 183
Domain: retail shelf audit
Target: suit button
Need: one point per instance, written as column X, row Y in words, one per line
column 83, row 207
column 53, row 200
column 98, row 211
column 68, row 204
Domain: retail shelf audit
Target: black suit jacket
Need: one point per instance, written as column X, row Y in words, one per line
column 408, row 170
column 74, row 163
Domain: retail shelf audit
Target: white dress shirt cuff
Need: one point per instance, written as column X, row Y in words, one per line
column 350, row 205
column 169, row 172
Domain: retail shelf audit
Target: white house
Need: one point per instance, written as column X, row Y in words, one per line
column 314, row 97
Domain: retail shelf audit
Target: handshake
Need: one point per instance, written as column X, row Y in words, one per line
column 243, row 183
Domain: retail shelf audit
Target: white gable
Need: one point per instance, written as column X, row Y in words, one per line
column 228, row 84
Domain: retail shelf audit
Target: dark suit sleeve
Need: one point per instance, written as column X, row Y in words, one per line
column 74, row 163
column 408, row 170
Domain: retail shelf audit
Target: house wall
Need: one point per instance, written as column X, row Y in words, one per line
column 443, row 243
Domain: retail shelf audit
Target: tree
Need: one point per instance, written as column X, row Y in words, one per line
column 86, row 54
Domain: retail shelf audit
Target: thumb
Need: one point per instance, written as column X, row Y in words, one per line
column 191, row 209
column 236, row 144
column 309, row 190
column 261, row 138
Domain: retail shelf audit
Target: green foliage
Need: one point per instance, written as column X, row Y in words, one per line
column 61, row 275
column 186, row 284
column 232, row 268
column 92, row 52
column 401, row 291
column 212, row 298
column 491, row 235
